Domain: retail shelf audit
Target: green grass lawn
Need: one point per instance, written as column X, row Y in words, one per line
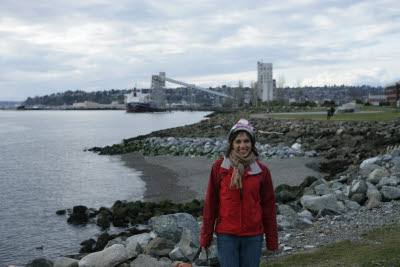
column 381, row 248
column 384, row 115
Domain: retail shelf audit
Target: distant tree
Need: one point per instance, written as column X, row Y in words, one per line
column 280, row 96
column 240, row 94
column 355, row 92
column 254, row 94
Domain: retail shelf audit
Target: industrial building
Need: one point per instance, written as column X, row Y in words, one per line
column 266, row 89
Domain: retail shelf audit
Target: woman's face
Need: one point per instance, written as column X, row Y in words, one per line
column 242, row 144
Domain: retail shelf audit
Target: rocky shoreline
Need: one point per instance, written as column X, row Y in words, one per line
column 342, row 143
column 314, row 214
column 361, row 193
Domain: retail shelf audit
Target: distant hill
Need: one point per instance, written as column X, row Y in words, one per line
column 70, row 97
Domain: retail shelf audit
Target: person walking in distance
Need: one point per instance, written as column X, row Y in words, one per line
column 240, row 203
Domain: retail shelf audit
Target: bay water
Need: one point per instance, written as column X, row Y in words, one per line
column 44, row 168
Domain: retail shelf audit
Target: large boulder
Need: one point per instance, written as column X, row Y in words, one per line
column 390, row 193
column 369, row 161
column 108, row 257
column 171, row 226
column 318, row 203
column 78, row 216
column 148, row 261
column 189, row 244
column 137, row 243
column 359, row 198
column 373, row 192
column 375, row 176
column 359, row 187
column 104, row 219
column 285, row 193
column 385, row 181
column 88, row 246
column 159, row 247
column 65, row 262
column 40, row 262
column 367, row 170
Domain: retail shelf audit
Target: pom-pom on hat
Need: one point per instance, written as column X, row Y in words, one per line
column 243, row 125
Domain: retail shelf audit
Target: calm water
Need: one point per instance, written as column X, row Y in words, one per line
column 43, row 168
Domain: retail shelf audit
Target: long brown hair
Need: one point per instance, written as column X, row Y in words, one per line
column 233, row 137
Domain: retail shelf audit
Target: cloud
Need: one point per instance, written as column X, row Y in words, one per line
column 99, row 44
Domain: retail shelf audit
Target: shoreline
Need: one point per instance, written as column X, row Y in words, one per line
column 182, row 179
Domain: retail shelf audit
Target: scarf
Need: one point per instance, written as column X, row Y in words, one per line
column 239, row 164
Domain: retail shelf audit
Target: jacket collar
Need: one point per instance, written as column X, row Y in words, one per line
column 254, row 167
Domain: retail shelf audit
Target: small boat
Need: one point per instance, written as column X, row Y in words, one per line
column 137, row 102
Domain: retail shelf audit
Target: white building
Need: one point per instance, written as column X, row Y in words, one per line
column 265, row 82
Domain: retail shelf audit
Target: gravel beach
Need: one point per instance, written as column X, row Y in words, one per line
column 182, row 179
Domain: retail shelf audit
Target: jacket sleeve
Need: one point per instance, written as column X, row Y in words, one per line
column 269, row 211
column 210, row 210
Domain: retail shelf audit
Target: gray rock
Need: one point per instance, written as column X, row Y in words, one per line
column 375, row 176
column 341, row 206
column 177, row 255
column 367, row 170
column 40, row 262
column 318, row 182
column 340, row 195
column 373, row 192
column 119, row 240
column 65, row 262
column 306, row 214
column 285, row 210
column 352, row 205
column 159, row 247
column 285, row 224
column 373, row 202
column 303, row 222
column 369, row 161
column 108, row 257
column 212, row 256
column 382, row 182
column 189, row 244
column 137, row 243
column 359, row 198
column 337, row 185
column 347, row 191
column 359, row 186
column 390, row 193
column 171, row 226
column 396, row 152
column 317, row 203
column 309, row 191
column 148, row 261
column 322, row 189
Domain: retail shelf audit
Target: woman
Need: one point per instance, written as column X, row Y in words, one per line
column 240, row 202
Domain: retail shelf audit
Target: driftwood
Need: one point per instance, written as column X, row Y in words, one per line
column 390, row 149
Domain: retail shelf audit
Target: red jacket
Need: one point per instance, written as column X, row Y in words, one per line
column 250, row 212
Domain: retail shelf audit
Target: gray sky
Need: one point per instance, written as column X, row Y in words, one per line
column 53, row 46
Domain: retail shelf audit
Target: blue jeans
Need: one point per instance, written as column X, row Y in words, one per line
column 239, row 251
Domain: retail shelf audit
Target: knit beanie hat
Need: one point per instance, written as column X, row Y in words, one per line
column 243, row 125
